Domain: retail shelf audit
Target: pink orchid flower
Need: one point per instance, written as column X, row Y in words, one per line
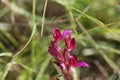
column 64, row 59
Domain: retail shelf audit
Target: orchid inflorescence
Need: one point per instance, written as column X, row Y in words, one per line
column 64, row 60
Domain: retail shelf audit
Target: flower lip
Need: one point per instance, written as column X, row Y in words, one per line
column 66, row 32
column 83, row 64
column 74, row 62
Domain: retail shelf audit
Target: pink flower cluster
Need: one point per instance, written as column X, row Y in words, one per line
column 64, row 59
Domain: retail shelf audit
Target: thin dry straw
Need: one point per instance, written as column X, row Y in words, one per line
column 33, row 31
column 9, row 65
column 43, row 19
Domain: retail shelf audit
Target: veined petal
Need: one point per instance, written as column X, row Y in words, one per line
column 57, row 79
column 73, row 60
column 66, row 32
column 54, row 50
column 70, row 43
column 82, row 64
column 57, row 34
column 60, row 64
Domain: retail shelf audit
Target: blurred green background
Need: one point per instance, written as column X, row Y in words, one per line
column 25, row 35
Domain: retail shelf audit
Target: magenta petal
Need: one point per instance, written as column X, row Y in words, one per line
column 73, row 60
column 54, row 50
column 65, row 33
column 57, row 79
column 72, row 44
column 60, row 64
column 83, row 64
column 57, row 34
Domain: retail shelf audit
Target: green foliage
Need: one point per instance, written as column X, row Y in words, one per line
column 24, row 52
